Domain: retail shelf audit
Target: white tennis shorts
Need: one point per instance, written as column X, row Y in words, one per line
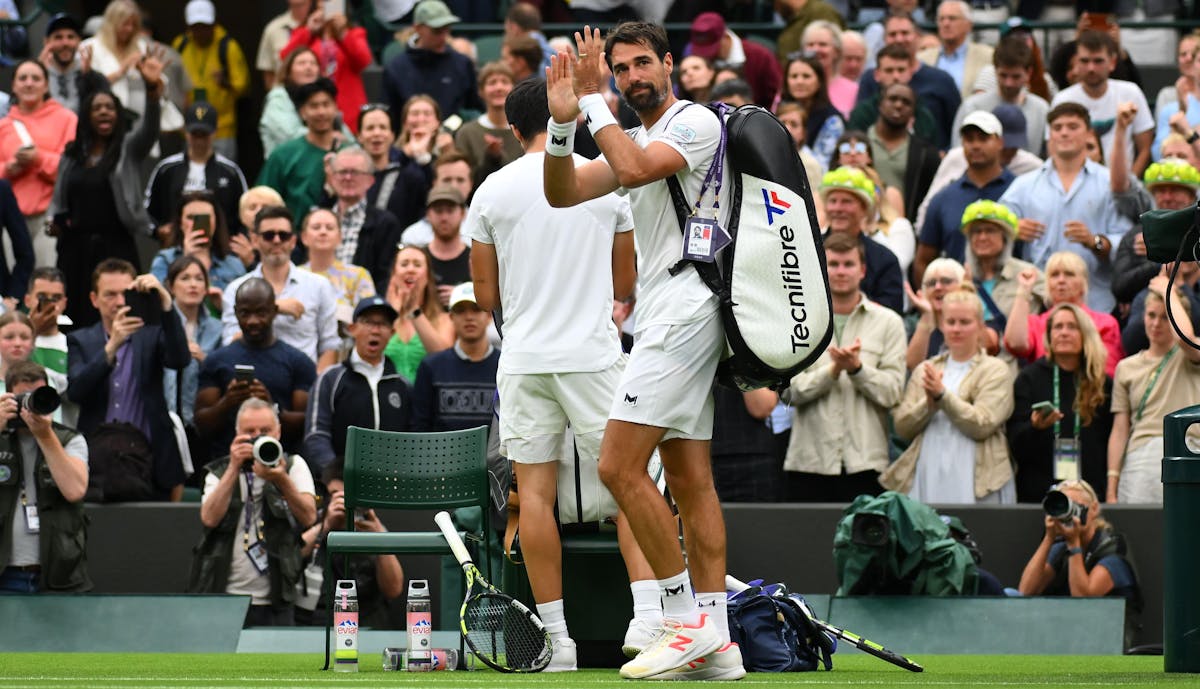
column 535, row 409
column 668, row 380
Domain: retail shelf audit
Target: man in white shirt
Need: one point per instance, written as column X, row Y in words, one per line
column 306, row 302
column 664, row 399
column 561, row 360
column 269, row 502
column 1096, row 55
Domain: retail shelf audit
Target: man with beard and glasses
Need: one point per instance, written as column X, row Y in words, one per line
column 665, row 397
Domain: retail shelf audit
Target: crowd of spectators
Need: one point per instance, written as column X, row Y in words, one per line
column 997, row 324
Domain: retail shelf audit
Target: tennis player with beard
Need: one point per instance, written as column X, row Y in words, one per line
column 664, row 398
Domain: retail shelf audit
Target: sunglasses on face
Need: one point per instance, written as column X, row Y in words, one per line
column 273, row 235
column 852, row 147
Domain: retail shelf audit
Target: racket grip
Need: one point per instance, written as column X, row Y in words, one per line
column 735, row 585
column 450, row 533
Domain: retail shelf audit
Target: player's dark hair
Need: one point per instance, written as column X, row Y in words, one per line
column 526, row 108
column 645, row 34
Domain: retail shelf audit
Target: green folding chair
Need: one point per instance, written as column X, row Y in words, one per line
column 408, row 471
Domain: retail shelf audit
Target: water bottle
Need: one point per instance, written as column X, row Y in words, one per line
column 345, row 624
column 420, row 625
column 443, row 659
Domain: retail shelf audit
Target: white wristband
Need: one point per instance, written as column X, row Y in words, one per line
column 595, row 112
column 560, row 138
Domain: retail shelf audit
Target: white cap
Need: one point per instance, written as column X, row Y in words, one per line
column 461, row 293
column 984, row 121
column 200, row 12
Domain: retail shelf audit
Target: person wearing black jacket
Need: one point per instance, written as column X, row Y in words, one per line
column 364, row 390
column 429, row 65
column 172, row 176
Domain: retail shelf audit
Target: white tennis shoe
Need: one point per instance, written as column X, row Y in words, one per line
column 562, row 656
column 675, row 645
column 724, row 663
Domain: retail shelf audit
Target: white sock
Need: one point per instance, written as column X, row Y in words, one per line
column 715, row 606
column 678, row 600
column 647, row 604
column 554, row 619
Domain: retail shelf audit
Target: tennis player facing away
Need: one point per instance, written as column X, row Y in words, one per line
column 555, row 271
column 664, row 398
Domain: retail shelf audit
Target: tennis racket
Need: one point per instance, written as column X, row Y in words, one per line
column 864, row 645
column 499, row 630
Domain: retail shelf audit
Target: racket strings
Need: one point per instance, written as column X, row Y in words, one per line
column 497, row 628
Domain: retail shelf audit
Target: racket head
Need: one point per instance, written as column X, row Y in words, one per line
column 503, row 633
column 892, row 657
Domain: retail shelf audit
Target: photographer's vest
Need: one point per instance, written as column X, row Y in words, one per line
column 281, row 536
column 1106, row 542
column 62, row 538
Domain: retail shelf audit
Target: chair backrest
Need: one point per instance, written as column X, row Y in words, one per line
column 416, row 470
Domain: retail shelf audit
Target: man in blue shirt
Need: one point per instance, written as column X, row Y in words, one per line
column 454, row 388
column 1067, row 205
column 982, row 142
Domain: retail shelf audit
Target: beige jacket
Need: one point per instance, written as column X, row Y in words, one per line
column 978, row 57
column 980, row 409
column 842, row 422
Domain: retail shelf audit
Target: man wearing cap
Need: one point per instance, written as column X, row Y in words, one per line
column 60, row 56
column 1013, row 62
column 215, row 63
column 849, row 197
column 198, row 167
column 962, row 59
column 904, row 160
column 712, row 40
column 445, row 209
column 454, row 388
column 364, row 390
column 430, row 65
column 982, row 142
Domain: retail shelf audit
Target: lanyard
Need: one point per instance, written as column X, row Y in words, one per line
column 1154, row 379
column 712, row 180
column 1056, row 406
column 249, row 512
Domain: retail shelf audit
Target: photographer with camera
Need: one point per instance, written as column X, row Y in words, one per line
column 1080, row 555
column 256, row 503
column 43, row 478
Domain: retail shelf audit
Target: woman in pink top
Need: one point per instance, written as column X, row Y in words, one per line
column 32, row 138
column 1066, row 283
column 343, row 54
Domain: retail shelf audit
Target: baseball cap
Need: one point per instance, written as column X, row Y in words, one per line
column 1014, row 24
column 707, row 31
column 62, row 20
column 374, row 303
column 444, row 192
column 461, row 293
column 984, row 121
column 201, row 117
column 1014, row 123
column 434, row 13
column 200, row 12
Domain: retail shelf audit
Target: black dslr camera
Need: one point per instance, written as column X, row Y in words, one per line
column 41, row 401
column 1064, row 509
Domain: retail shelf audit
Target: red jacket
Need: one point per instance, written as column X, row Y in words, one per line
column 342, row 61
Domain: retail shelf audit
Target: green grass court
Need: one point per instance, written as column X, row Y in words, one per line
column 288, row 671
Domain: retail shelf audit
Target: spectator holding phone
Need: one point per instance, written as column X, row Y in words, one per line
column 46, row 300
column 198, row 229
column 342, row 55
column 1061, row 421
column 187, row 280
column 115, row 371
column 257, row 364
column 32, row 138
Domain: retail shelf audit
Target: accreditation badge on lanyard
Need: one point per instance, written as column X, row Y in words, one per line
column 1066, row 450
column 256, row 551
column 703, row 236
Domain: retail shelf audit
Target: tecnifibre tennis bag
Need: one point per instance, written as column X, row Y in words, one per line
column 771, row 279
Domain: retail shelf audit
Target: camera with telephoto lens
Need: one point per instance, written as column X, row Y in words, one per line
column 267, row 450
column 1064, row 509
column 869, row 529
column 41, row 401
